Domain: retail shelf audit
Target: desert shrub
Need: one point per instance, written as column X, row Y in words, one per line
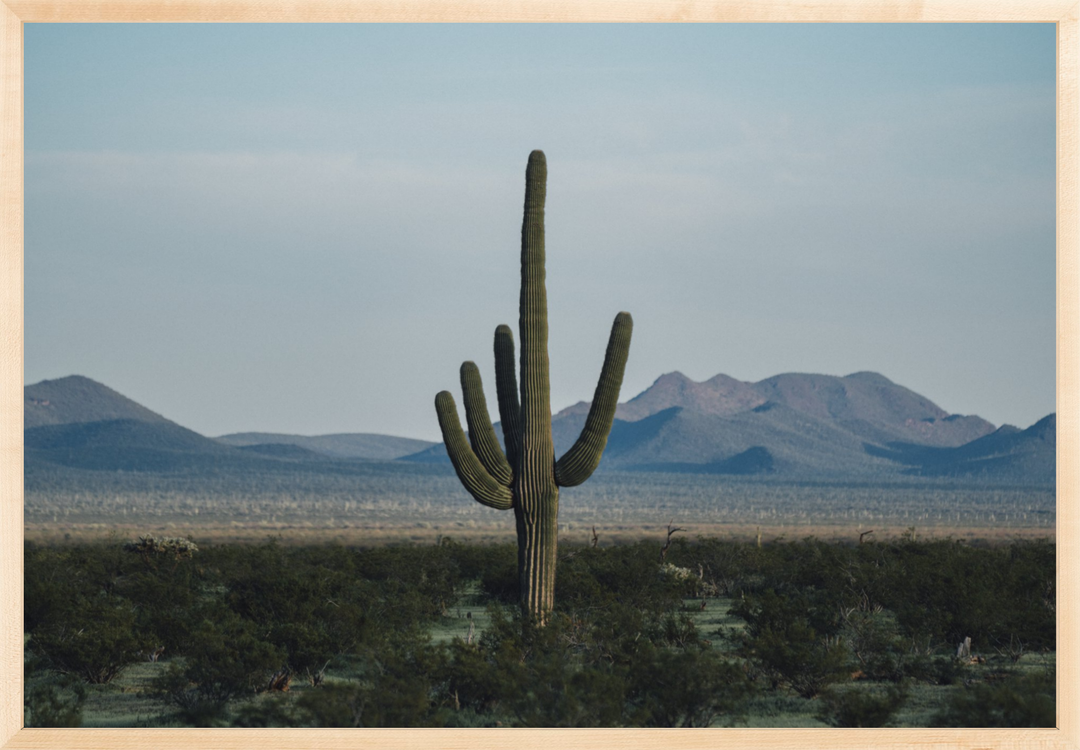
column 273, row 710
column 781, row 641
column 225, row 660
column 560, row 694
column 725, row 566
column 56, row 701
column 165, row 603
column 938, row 591
column 499, row 580
column 607, row 668
column 944, row 590
column 631, row 575
column 541, row 678
column 861, row 707
column 948, row 591
column 1031, row 615
column 154, row 550
column 309, row 604
column 48, row 585
column 520, row 675
column 684, row 581
column 474, row 560
column 339, row 705
column 873, row 638
column 422, row 581
column 685, row 688
column 476, row 680
column 93, row 638
column 619, row 633
column 395, row 691
column 678, row 629
column 1028, row 700
column 486, row 676
column 194, row 707
column 936, row 669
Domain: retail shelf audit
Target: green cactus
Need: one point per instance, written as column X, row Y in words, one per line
column 527, row 477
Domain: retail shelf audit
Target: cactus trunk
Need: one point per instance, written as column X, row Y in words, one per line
column 536, row 506
column 537, row 519
column 527, row 478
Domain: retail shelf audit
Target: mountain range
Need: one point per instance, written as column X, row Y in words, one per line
column 805, row 425
column 80, row 423
column 790, row 425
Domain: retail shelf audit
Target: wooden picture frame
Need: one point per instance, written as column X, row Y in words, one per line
column 14, row 13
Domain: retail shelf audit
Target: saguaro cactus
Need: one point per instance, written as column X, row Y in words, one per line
column 527, row 477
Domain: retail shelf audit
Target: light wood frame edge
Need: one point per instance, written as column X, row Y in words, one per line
column 13, row 13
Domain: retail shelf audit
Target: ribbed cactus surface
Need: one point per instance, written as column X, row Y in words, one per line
column 527, row 477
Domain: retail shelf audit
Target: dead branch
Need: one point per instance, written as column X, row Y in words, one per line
column 667, row 543
column 280, row 681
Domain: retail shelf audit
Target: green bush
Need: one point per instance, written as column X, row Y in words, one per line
column 93, row 638
column 1020, row 701
column 272, row 710
column 225, row 660
column 860, row 706
column 500, row 580
column 631, row 575
column 685, row 688
column 872, row 636
column 56, row 701
column 780, row 640
column 938, row 669
column 395, row 691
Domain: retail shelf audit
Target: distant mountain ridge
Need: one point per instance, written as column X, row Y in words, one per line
column 79, row 399
column 128, row 445
column 794, row 424
column 75, row 421
column 791, row 425
column 1007, row 451
column 866, row 403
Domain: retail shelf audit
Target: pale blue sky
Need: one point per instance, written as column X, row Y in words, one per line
column 308, row 228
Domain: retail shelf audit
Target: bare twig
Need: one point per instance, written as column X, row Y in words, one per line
column 667, row 544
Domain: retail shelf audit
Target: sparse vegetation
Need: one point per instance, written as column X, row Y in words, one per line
column 360, row 502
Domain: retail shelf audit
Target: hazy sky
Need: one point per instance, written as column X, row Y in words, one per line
column 308, row 228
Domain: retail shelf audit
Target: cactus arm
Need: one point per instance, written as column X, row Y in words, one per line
column 537, row 451
column 481, row 434
column 481, row 485
column 507, row 389
column 578, row 463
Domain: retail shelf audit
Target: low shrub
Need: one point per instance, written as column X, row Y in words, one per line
column 56, row 701
column 1019, row 701
column 225, row 660
column 860, row 707
column 95, row 639
column 781, row 642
